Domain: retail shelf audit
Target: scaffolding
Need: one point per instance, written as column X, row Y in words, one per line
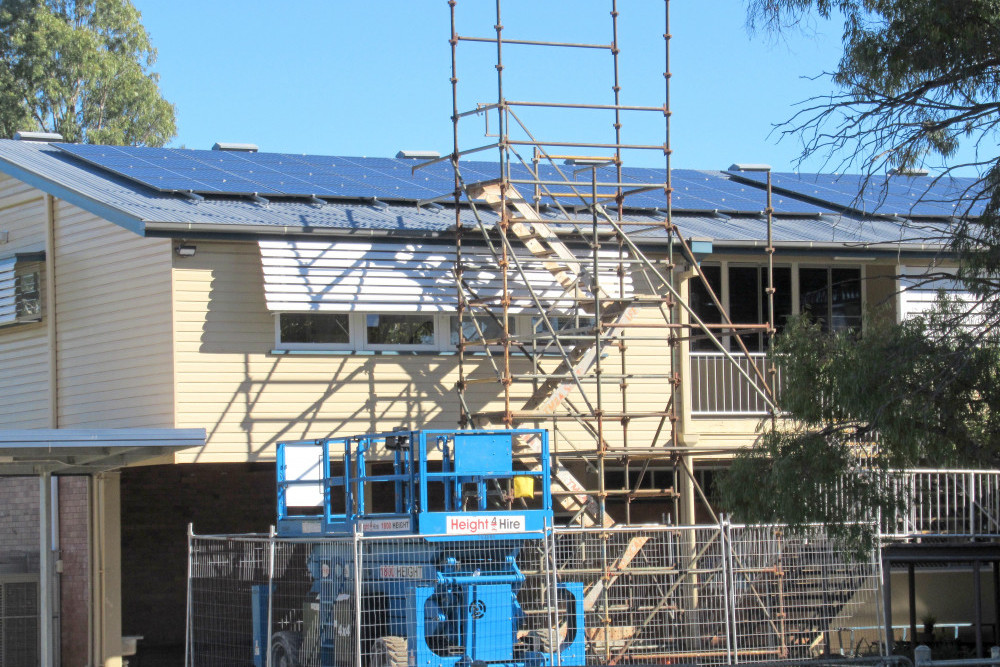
column 591, row 306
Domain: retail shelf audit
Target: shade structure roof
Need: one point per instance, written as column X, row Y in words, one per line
column 88, row 451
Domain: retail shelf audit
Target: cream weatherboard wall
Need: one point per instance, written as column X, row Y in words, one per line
column 24, row 348
column 113, row 324
column 229, row 382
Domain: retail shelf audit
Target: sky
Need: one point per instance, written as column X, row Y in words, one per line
column 340, row 77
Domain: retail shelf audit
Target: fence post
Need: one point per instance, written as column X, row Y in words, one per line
column 729, row 590
column 358, row 584
column 188, row 633
column 270, row 593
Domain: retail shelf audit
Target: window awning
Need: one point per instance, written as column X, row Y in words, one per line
column 406, row 277
column 88, row 451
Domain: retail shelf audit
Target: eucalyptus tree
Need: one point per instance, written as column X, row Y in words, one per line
column 80, row 68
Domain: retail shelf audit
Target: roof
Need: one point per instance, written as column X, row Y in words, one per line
column 373, row 197
column 88, row 451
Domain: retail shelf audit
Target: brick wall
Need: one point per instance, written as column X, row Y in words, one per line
column 74, row 589
column 19, row 522
column 157, row 503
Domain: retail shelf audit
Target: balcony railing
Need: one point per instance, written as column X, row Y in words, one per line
column 956, row 503
column 719, row 389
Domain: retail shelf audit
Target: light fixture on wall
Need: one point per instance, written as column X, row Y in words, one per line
column 4, row 236
column 186, row 250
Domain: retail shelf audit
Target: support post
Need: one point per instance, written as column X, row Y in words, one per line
column 912, row 590
column 45, row 571
column 887, row 604
column 977, row 596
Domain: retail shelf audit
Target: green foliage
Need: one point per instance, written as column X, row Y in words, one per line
column 80, row 68
column 927, row 392
column 918, row 79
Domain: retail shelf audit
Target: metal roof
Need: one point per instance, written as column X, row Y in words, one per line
column 149, row 212
column 88, row 451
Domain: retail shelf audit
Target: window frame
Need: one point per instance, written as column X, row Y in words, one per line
column 358, row 335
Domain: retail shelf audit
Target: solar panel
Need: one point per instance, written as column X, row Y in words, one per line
column 233, row 173
column 886, row 195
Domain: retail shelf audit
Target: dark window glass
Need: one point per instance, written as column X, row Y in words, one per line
column 745, row 292
column 400, row 329
column 701, row 303
column 491, row 328
column 328, row 328
column 845, row 300
column 832, row 297
column 814, row 295
column 782, row 295
column 748, row 301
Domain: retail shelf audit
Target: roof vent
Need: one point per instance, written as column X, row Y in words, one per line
column 909, row 172
column 237, row 148
column 44, row 137
column 746, row 166
column 418, row 155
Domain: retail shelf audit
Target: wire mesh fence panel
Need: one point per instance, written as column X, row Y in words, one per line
column 792, row 595
column 652, row 594
column 716, row 594
column 431, row 601
column 312, row 604
column 224, row 574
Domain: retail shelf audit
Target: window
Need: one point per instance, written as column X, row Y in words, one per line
column 20, row 289
column 399, row 330
column 701, row 303
column 360, row 331
column 491, row 329
column 28, row 297
column 747, row 303
column 832, row 297
column 315, row 328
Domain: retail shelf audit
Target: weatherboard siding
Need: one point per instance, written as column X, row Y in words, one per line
column 24, row 348
column 113, row 320
column 229, row 382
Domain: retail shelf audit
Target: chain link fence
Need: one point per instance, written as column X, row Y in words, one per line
column 720, row 594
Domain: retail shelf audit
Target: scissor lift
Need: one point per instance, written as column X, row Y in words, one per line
column 436, row 580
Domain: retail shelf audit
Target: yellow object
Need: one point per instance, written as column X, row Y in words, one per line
column 524, row 486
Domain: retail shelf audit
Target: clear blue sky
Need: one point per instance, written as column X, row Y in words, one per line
column 345, row 77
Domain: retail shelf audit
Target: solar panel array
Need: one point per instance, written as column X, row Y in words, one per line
column 274, row 175
column 887, row 195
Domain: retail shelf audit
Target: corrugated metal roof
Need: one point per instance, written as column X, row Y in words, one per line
column 145, row 210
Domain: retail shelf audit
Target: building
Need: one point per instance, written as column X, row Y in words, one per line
column 159, row 338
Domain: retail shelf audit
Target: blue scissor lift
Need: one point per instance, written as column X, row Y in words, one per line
column 447, row 595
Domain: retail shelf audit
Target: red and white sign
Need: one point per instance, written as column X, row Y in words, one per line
column 489, row 524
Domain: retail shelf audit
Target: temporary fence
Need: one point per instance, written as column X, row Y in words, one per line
column 718, row 594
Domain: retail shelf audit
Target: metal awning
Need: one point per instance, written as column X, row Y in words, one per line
column 88, row 451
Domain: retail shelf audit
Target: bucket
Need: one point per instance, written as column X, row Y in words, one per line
column 524, row 486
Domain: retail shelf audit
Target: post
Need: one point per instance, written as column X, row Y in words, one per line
column 912, row 586
column 45, row 570
column 270, row 592
column 887, row 604
column 977, row 595
column 188, row 633
column 922, row 656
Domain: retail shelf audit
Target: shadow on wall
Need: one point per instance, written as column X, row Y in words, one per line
column 248, row 399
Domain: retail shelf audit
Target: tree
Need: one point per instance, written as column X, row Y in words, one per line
column 918, row 79
column 80, row 68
